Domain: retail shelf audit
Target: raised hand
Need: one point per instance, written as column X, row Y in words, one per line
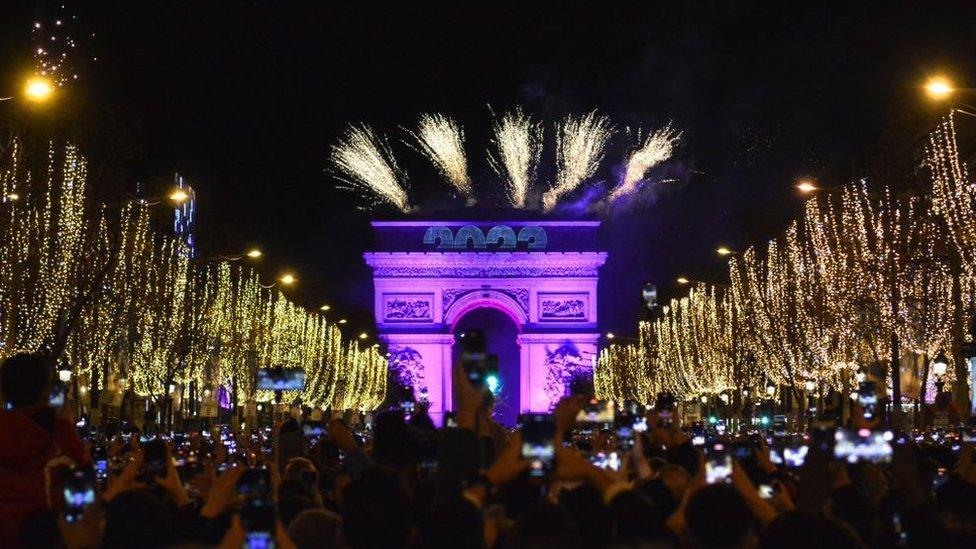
column 171, row 483
column 222, row 492
column 509, row 464
column 340, row 433
column 126, row 480
column 565, row 414
column 468, row 399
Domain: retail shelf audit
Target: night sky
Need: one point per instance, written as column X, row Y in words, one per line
column 244, row 99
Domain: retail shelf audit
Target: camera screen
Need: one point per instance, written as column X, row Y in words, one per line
column 281, row 379
column 863, row 446
column 795, row 456
column 58, row 392
column 538, row 444
column 79, row 491
column 610, row 461
column 596, row 411
column 313, row 429
column 718, row 464
column 868, row 399
column 257, row 511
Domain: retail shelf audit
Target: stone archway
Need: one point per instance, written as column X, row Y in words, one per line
column 494, row 299
column 427, row 279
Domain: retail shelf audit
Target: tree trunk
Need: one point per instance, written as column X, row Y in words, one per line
column 895, row 351
column 960, row 388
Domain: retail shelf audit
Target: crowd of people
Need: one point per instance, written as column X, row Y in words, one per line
column 562, row 480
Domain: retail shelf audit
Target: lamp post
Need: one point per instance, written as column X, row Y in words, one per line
column 64, row 376
column 771, row 399
column 745, row 409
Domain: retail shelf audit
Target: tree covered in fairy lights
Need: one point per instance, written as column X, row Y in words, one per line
column 865, row 280
column 125, row 306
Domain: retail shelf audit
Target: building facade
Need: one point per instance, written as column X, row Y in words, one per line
column 530, row 285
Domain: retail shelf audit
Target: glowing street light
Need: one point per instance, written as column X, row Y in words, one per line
column 806, row 187
column 38, row 89
column 325, row 308
column 12, row 197
column 938, row 87
column 940, row 365
column 723, row 251
column 254, row 253
column 179, row 196
column 287, row 279
column 683, row 280
column 342, row 321
column 610, row 335
column 363, row 335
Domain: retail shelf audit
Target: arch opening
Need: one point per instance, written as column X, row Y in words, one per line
column 501, row 332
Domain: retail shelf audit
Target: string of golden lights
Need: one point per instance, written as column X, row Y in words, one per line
column 862, row 280
column 151, row 317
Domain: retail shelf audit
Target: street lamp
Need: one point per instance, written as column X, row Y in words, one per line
column 940, row 364
column 683, row 280
column 939, row 87
column 610, row 335
column 342, row 321
column 38, row 89
column 723, row 251
column 287, row 279
column 809, row 385
column 254, row 253
column 770, row 391
column 806, row 186
column 325, row 308
column 64, row 374
column 363, row 335
column 179, row 196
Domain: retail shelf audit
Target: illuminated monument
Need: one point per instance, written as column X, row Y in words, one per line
column 530, row 285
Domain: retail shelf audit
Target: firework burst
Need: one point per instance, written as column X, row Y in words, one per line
column 442, row 141
column 365, row 160
column 656, row 148
column 579, row 150
column 55, row 50
column 518, row 144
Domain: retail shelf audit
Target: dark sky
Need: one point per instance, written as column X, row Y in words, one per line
column 244, row 98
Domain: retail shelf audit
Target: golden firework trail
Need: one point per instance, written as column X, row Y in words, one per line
column 579, row 149
column 657, row 147
column 517, row 143
column 442, row 141
column 365, row 160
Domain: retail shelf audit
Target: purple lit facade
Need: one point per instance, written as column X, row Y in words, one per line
column 434, row 278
